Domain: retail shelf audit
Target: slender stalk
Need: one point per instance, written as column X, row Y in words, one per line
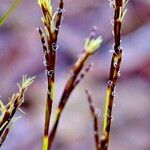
column 66, row 93
column 51, row 24
column 91, row 46
column 114, row 72
column 95, row 120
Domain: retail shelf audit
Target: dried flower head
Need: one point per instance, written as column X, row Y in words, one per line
column 7, row 111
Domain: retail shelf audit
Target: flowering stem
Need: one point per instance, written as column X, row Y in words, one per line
column 51, row 23
column 66, row 93
column 91, row 45
column 114, row 72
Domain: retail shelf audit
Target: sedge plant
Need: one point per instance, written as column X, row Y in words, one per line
column 102, row 142
column 49, row 40
column 49, row 35
column 119, row 13
column 77, row 74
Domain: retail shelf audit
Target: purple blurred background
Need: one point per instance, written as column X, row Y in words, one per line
column 21, row 53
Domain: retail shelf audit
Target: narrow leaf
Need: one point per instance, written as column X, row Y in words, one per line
column 6, row 15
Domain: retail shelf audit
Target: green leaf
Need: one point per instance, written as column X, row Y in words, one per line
column 6, row 15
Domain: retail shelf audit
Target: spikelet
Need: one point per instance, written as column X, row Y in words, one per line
column 8, row 111
column 91, row 45
column 47, row 18
column 46, row 4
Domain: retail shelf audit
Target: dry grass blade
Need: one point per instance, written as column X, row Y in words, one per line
column 95, row 119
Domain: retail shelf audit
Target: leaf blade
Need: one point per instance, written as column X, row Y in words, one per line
column 11, row 8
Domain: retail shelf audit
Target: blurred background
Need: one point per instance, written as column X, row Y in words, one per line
column 21, row 53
